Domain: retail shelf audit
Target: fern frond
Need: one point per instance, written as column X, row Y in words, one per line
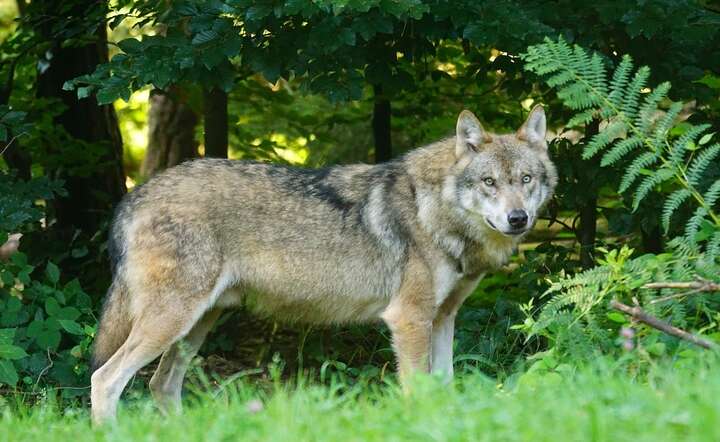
column 693, row 224
column 673, row 202
column 635, row 128
column 602, row 139
column 620, row 149
column 631, row 99
column 644, row 119
column 712, row 194
column 679, row 147
column 713, row 247
column 701, row 162
column 579, row 95
column 619, row 81
column 682, row 248
column 649, row 183
column 636, row 168
column 583, row 117
column 663, row 126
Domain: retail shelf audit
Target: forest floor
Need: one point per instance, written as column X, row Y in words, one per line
column 596, row 403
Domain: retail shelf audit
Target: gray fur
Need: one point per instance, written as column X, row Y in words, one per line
column 405, row 242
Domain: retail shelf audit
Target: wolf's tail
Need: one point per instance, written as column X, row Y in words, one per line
column 114, row 326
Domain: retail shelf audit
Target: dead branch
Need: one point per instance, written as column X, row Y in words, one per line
column 642, row 316
column 701, row 286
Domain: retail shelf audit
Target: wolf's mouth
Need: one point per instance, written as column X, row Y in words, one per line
column 508, row 233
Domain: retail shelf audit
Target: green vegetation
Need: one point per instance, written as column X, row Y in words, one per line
column 590, row 403
column 96, row 97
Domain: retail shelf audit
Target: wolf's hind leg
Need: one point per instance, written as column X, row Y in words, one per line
column 152, row 334
column 166, row 383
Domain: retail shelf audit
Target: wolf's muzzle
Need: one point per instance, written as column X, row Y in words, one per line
column 517, row 218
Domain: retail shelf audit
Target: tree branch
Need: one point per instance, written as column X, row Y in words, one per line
column 700, row 286
column 642, row 316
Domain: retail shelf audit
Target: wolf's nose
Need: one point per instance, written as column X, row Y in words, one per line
column 517, row 218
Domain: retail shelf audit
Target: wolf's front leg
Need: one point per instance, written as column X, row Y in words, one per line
column 443, row 331
column 409, row 317
column 443, row 328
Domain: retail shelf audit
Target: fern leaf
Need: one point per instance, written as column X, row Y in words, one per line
column 682, row 248
column 712, row 194
column 672, row 203
column 636, row 168
column 631, row 99
column 693, row 224
column 713, row 247
column 620, row 79
column 620, row 149
column 701, row 162
column 665, row 124
column 583, row 117
column 649, row 183
column 578, row 96
column 601, row 140
column 679, row 147
column 644, row 119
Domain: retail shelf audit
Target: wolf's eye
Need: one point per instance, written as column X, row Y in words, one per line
column 526, row 179
column 489, row 181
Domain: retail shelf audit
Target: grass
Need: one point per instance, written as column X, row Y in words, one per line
column 594, row 403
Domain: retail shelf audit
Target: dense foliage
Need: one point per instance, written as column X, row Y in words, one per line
column 312, row 83
column 642, row 138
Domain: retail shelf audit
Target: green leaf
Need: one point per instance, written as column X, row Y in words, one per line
column 48, row 339
column 7, row 278
column 7, row 335
column 35, row 328
column 617, row 317
column 68, row 313
column 204, row 36
column 130, row 45
column 52, row 272
column 84, row 92
column 706, row 138
column 656, row 349
column 8, row 374
column 52, row 307
column 71, row 327
column 11, row 352
column 24, row 276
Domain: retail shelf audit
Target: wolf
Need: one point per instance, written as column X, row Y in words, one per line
column 404, row 242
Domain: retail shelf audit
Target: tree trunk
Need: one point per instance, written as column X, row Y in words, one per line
column 216, row 122
column 91, row 194
column 652, row 241
column 381, row 126
column 588, row 211
column 171, row 132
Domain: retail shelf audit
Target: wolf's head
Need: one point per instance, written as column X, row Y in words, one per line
column 502, row 181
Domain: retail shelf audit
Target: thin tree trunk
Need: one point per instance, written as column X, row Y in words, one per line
column 216, row 123
column 171, row 132
column 652, row 241
column 90, row 195
column 381, row 125
column 587, row 230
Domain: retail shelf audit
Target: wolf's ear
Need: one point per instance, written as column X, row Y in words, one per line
column 470, row 134
column 534, row 128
